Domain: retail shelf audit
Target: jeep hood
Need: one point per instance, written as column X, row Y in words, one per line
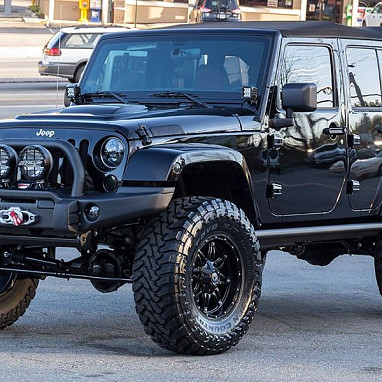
column 127, row 118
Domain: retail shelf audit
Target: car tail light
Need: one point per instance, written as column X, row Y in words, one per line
column 205, row 9
column 52, row 51
column 236, row 11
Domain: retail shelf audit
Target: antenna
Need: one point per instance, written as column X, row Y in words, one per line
column 59, row 57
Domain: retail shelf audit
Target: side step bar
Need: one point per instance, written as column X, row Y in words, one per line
column 272, row 238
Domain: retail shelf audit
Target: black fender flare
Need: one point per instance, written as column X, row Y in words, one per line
column 165, row 163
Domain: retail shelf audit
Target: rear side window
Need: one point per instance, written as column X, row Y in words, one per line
column 364, row 82
column 81, row 41
column 310, row 63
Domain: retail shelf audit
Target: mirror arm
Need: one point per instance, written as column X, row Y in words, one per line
column 278, row 123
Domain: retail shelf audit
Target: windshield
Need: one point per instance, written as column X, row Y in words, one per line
column 152, row 64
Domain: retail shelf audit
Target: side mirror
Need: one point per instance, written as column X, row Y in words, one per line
column 299, row 97
column 295, row 97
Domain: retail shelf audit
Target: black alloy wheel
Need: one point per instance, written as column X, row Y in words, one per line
column 216, row 276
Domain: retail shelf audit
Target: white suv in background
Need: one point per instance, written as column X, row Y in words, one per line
column 374, row 18
column 67, row 52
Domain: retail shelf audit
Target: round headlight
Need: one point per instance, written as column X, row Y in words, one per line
column 112, row 151
column 8, row 161
column 35, row 162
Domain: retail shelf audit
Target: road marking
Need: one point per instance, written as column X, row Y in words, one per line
column 45, row 93
column 29, row 106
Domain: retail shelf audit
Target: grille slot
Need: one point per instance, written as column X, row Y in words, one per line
column 53, row 176
column 67, row 172
column 62, row 172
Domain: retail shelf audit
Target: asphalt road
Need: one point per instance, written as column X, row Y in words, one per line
column 313, row 324
column 19, row 98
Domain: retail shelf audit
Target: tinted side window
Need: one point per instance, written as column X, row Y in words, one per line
column 365, row 88
column 309, row 64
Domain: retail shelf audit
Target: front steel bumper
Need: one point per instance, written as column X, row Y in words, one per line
column 68, row 214
column 64, row 214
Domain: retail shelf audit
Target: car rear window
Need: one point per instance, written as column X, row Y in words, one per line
column 230, row 4
column 56, row 40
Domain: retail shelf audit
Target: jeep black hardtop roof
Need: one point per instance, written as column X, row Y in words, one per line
column 294, row 28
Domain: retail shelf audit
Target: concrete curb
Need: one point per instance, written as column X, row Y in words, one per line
column 33, row 80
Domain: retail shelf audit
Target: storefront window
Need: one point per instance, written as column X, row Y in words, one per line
column 328, row 10
column 268, row 3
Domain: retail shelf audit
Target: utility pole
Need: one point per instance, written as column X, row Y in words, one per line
column 51, row 10
column 7, row 7
column 105, row 15
column 354, row 15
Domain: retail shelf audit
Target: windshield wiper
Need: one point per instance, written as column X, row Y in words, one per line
column 190, row 97
column 106, row 94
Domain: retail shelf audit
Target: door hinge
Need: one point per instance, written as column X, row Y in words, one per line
column 354, row 140
column 352, row 186
column 273, row 189
column 275, row 141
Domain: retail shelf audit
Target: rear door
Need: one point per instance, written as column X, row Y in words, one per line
column 363, row 63
column 306, row 173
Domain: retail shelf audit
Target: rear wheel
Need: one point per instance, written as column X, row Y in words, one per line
column 378, row 264
column 15, row 296
column 78, row 73
column 197, row 276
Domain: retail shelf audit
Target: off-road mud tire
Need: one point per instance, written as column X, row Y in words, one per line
column 173, row 299
column 15, row 299
column 378, row 264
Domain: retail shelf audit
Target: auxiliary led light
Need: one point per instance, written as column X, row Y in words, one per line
column 8, row 161
column 35, row 162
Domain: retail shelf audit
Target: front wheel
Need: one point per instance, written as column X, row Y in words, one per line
column 197, row 276
column 15, row 296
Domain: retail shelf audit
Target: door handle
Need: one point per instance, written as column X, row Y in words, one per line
column 335, row 130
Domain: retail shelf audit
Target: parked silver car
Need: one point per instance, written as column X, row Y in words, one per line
column 67, row 52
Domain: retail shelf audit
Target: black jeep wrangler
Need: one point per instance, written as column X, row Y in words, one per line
column 185, row 155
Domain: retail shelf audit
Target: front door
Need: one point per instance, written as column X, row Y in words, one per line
column 307, row 173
